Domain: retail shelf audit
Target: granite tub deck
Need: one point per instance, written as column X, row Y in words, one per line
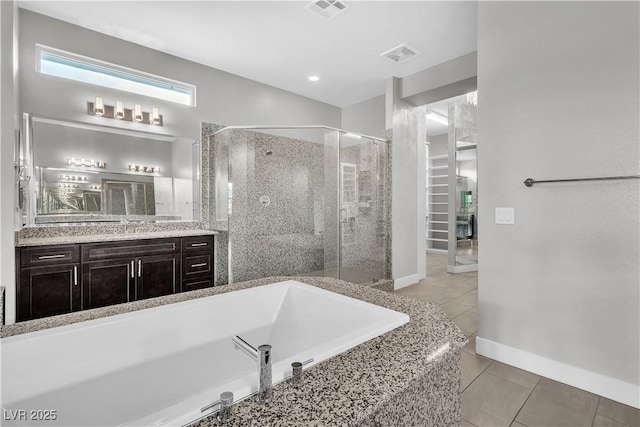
column 409, row 376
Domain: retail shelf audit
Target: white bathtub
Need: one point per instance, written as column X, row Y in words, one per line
column 161, row 365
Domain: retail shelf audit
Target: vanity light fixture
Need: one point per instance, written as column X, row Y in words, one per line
column 72, row 161
column 119, row 112
column 65, row 185
column 98, row 107
column 73, row 178
column 140, row 168
column 438, row 118
column 95, row 187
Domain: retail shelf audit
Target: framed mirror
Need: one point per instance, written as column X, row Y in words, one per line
column 82, row 172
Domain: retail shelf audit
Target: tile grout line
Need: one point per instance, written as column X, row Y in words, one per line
column 477, row 376
column 595, row 414
column 524, row 403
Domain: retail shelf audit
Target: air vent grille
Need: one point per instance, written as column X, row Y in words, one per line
column 401, row 53
column 328, row 8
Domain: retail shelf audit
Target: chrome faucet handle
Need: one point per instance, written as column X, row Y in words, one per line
column 296, row 374
column 225, row 413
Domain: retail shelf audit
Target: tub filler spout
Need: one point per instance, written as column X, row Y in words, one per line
column 262, row 355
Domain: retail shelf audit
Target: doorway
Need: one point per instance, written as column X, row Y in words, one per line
column 451, row 182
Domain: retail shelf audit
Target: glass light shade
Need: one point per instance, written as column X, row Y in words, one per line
column 155, row 116
column 119, row 112
column 98, row 107
column 137, row 113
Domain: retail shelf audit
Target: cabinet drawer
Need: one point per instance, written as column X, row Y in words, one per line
column 197, row 243
column 196, row 264
column 192, row 285
column 134, row 248
column 36, row 256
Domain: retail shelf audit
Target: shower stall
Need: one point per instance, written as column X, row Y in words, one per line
column 299, row 201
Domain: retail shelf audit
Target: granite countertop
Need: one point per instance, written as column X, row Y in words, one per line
column 343, row 390
column 86, row 233
column 60, row 240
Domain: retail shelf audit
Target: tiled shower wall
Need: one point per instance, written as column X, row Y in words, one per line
column 274, row 226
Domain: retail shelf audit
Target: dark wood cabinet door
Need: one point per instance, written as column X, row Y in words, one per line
column 157, row 275
column 107, row 282
column 48, row 291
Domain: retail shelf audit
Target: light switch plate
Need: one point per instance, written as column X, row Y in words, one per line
column 505, row 216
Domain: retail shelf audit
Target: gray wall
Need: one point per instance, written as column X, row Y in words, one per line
column 366, row 117
column 408, row 244
column 558, row 88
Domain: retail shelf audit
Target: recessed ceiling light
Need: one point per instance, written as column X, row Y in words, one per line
column 314, row 78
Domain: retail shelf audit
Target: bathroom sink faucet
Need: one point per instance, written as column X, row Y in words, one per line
column 263, row 356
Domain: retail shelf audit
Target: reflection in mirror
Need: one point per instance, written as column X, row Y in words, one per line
column 84, row 172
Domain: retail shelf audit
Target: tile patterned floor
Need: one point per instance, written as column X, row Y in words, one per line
column 495, row 394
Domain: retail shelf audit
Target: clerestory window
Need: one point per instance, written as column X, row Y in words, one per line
column 68, row 65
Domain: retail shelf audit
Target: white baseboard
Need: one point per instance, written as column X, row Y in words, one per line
column 462, row 268
column 403, row 282
column 611, row 388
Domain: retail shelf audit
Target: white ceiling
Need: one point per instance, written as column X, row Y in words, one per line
column 281, row 43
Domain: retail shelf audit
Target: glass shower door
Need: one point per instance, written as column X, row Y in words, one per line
column 362, row 208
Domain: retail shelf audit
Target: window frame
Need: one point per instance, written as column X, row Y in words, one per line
column 136, row 80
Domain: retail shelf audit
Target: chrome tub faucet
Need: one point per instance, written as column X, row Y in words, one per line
column 263, row 356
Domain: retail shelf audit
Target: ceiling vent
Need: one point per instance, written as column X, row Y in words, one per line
column 328, row 8
column 400, row 53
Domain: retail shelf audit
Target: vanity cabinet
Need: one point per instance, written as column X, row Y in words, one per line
column 48, row 281
column 197, row 262
column 117, row 272
column 65, row 278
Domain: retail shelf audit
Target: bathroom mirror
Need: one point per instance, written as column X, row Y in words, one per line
column 89, row 173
